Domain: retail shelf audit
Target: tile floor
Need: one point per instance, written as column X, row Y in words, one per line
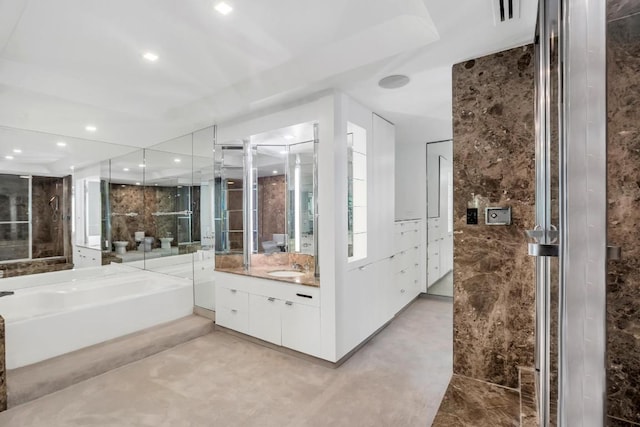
column 398, row 379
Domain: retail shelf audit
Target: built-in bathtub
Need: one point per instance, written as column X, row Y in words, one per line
column 79, row 308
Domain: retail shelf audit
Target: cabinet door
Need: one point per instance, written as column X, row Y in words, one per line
column 433, row 262
column 301, row 328
column 233, row 318
column 264, row 318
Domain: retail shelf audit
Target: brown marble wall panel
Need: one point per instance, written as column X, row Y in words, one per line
column 3, row 370
column 34, row 267
column 47, row 219
column 145, row 201
column 623, row 287
column 472, row 403
column 126, row 199
column 272, row 215
column 493, row 143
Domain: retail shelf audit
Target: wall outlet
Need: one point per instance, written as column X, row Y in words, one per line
column 472, row 216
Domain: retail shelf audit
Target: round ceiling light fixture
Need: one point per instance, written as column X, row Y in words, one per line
column 394, row 82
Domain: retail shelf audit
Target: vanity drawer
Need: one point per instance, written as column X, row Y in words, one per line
column 233, row 318
column 300, row 294
column 232, row 298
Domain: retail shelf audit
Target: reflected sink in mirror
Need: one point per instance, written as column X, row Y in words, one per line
column 286, row 273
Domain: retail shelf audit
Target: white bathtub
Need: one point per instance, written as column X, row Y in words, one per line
column 50, row 320
column 198, row 266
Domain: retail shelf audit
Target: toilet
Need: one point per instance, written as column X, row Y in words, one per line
column 121, row 247
column 148, row 243
column 139, row 238
column 165, row 242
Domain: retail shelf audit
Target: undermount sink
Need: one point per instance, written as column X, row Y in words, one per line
column 286, row 273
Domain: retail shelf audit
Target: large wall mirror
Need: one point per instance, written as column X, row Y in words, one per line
column 69, row 203
column 265, row 196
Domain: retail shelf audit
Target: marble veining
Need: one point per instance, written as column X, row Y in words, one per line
column 472, row 403
column 623, row 283
column 262, row 265
column 617, row 9
column 493, row 143
column 528, row 405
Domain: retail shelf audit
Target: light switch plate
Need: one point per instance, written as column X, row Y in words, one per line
column 497, row 216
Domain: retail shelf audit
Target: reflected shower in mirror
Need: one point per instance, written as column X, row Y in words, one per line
column 281, row 197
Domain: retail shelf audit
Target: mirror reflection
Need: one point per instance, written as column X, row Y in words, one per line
column 265, row 194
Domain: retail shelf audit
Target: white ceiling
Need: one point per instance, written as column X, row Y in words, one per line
column 68, row 63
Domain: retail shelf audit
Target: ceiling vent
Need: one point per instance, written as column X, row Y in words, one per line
column 505, row 11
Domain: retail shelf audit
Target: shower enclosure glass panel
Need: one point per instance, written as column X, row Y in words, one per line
column 271, row 198
column 301, row 204
column 228, row 199
column 15, row 217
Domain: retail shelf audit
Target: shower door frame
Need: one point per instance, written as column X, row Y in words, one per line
column 582, row 247
column 583, row 214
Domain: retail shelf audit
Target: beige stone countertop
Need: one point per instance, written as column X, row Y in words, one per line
column 263, row 272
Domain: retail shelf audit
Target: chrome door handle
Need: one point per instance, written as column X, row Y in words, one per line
column 541, row 249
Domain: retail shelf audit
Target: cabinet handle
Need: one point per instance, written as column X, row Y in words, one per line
column 416, row 265
column 305, row 296
column 271, row 299
column 234, row 311
column 402, row 291
column 392, row 256
column 233, row 291
column 402, row 271
column 416, row 247
column 289, row 303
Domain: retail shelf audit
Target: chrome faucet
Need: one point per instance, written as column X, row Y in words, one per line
column 296, row 266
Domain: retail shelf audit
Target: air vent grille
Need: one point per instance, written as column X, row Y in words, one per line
column 505, row 11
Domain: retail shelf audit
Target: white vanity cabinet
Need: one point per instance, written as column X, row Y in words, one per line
column 439, row 249
column 280, row 313
column 84, row 256
column 301, row 328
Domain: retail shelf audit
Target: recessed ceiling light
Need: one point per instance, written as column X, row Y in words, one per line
column 61, row 144
column 394, row 82
column 90, row 128
column 17, row 150
column 137, row 183
column 141, row 165
column 275, row 172
column 150, row 56
column 176, row 160
column 223, row 8
column 123, row 185
column 126, row 169
column 72, row 167
column 231, row 182
column 8, row 157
